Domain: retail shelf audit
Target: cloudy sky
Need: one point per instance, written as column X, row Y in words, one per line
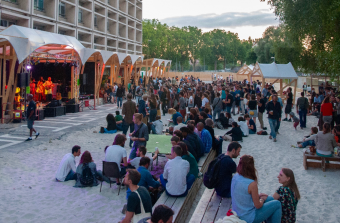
column 245, row 17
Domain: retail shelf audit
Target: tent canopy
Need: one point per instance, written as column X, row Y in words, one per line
column 275, row 71
column 26, row 41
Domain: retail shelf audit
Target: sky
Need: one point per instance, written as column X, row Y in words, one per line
column 245, row 17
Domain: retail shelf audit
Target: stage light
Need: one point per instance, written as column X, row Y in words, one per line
column 56, row 63
column 65, row 64
column 32, row 62
column 28, row 67
column 75, row 64
column 36, row 62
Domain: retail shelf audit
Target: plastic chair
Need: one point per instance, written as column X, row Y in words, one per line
column 111, row 170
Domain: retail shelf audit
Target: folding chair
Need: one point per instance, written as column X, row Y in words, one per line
column 111, row 170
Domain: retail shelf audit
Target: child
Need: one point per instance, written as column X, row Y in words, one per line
column 118, row 117
column 251, row 124
column 243, row 125
column 309, row 141
column 235, row 134
column 296, row 120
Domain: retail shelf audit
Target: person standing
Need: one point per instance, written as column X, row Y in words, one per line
column 119, row 94
column 139, row 136
column 31, row 109
column 217, row 106
column 48, row 89
column 129, row 108
column 182, row 105
column 301, row 108
column 289, row 105
column 274, row 111
column 261, row 108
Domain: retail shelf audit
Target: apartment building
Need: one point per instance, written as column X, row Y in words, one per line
column 112, row 25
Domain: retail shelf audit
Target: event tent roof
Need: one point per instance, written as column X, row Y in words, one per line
column 275, row 71
column 26, row 41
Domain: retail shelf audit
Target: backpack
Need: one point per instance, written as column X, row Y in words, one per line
column 86, row 177
column 219, row 125
column 211, row 178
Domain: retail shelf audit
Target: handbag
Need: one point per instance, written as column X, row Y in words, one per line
column 137, row 217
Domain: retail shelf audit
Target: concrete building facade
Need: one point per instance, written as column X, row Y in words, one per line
column 112, row 25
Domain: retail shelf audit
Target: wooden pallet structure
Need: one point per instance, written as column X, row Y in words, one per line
column 182, row 205
column 312, row 160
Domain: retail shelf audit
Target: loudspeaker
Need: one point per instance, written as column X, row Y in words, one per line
column 84, row 78
column 71, row 102
column 53, row 103
column 23, row 80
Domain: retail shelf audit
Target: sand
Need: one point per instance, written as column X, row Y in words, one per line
column 29, row 192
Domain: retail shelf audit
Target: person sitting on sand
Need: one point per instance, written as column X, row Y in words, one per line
column 156, row 126
column 235, row 134
column 251, row 124
column 227, row 169
column 243, row 126
column 247, row 203
column 116, row 153
column 139, row 196
column 87, row 173
column 175, row 178
column 288, row 194
column 67, row 166
column 325, row 141
column 309, row 141
column 111, row 125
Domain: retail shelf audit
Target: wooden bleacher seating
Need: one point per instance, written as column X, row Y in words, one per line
column 311, row 160
column 181, row 206
column 211, row 207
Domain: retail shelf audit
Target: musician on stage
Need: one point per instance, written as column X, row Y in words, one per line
column 48, row 89
column 40, row 89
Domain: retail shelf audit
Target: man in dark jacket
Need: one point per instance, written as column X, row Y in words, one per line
column 235, row 134
column 119, row 94
column 274, row 114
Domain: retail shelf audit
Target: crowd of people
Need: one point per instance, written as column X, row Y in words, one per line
column 196, row 109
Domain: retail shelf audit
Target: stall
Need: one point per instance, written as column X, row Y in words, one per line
column 245, row 73
column 278, row 72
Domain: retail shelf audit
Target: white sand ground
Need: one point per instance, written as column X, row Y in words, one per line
column 29, row 192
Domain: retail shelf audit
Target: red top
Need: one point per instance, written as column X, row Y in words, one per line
column 327, row 109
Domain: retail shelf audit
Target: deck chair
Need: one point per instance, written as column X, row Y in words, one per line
column 111, row 170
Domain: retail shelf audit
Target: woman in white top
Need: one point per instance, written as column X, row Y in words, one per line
column 245, row 101
column 191, row 100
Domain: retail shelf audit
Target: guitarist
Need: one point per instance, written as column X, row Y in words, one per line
column 48, row 89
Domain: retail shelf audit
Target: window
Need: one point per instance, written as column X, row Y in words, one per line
column 39, row 5
column 62, row 32
column 95, row 21
column 108, row 26
column 80, row 37
column 95, row 40
column 80, row 16
column 62, row 9
column 6, row 23
column 38, row 27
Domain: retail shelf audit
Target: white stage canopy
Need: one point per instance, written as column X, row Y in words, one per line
column 26, row 41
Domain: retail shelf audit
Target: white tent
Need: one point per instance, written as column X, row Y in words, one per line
column 26, row 41
column 278, row 72
column 275, row 71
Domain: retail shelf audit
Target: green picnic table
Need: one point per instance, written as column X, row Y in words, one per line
column 163, row 142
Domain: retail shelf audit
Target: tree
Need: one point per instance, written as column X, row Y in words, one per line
column 315, row 26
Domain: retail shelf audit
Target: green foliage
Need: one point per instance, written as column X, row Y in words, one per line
column 315, row 25
column 216, row 49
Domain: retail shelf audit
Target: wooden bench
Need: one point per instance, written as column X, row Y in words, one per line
column 181, row 206
column 316, row 161
column 211, row 207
